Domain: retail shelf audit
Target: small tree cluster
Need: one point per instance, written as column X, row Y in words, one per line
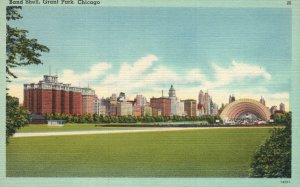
column 16, row 117
column 282, row 119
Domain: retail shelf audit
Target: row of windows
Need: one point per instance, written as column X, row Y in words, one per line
column 54, row 87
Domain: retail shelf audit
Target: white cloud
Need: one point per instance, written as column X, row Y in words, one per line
column 16, row 90
column 69, row 76
column 195, row 75
column 160, row 75
column 146, row 76
column 237, row 72
column 20, row 71
column 25, row 76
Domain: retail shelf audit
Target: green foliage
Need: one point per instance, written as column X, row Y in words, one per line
column 282, row 119
column 16, row 117
column 20, row 50
column 273, row 158
column 95, row 118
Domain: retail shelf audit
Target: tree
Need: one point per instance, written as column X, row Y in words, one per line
column 273, row 158
column 16, row 117
column 20, row 51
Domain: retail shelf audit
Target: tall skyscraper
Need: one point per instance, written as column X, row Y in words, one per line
column 200, row 105
column 211, row 106
column 172, row 97
column 206, row 104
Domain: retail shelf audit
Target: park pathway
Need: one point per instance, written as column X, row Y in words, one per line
column 89, row 132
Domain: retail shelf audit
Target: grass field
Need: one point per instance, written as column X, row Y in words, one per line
column 193, row 153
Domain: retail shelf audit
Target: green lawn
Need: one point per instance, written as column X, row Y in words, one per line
column 66, row 127
column 192, row 153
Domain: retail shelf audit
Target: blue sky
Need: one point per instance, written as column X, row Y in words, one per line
column 246, row 52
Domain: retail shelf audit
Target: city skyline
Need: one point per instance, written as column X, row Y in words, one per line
column 113, row 50
column 204, row 103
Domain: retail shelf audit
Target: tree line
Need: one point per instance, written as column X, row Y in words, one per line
column 95, row 118
column 282, row 119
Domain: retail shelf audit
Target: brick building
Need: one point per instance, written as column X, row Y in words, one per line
column 136, row 110
column 190, row 107
column 163, row 104
column 51, row 96
column 89, row 101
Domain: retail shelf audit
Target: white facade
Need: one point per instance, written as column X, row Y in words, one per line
column 180, row 108
column 50, row 82
column 102, row 110
column 172, row 96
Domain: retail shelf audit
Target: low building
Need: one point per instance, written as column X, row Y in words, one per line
column 56, row 122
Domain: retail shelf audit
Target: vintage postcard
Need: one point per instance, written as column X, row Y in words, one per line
column 136, row 93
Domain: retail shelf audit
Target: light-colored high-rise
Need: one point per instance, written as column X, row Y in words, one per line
column 172, row 96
